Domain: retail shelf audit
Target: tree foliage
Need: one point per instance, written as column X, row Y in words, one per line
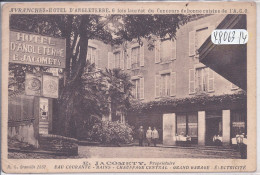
column 112, row 133
column 143, row 26
column 169, row 104
column 119, row 88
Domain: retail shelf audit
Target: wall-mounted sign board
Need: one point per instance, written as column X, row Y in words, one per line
column 33, row 49
column 33, row 84
column 50, row 87
column 42, row 85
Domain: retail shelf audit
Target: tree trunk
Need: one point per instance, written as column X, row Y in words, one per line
column 66, row 107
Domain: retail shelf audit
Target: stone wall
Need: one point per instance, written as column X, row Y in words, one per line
column 58, row 144
column 23, row 132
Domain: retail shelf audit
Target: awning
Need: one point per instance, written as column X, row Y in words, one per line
column 230, row 61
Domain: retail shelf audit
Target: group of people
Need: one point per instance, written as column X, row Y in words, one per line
column 151, row 136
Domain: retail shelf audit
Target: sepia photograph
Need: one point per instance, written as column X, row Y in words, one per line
column 119, row 85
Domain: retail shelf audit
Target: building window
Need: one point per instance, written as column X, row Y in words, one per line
column 166, row 51
column 117, row 59
column 181, row 125
column 92, row 55
column 202, row 80
column 197, row 37
column 187, row 124
column 135, row 57
column 192, row 125
column 138, row 90
column 201, row 36
column 165, row 85
column 238, row 123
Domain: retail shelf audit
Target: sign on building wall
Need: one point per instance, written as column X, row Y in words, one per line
column 33, row 84
column 50, row 86
column 44, row 116
column 27, row 48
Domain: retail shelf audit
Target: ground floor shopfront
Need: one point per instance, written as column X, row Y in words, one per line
column 203, row 127
column 198, row 124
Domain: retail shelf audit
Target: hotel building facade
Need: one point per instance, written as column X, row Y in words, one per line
column 173, row 91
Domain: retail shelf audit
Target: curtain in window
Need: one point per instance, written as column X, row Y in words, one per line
column 165, row 85
column 198, row 76
column 181, row 124
column 238, row 122
column 136, row 90
column 205, row 79
column 117, row 59
column 192, row 125
column 202, row 79
column 135, row 57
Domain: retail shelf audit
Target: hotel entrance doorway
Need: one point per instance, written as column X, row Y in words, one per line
column 213, row 127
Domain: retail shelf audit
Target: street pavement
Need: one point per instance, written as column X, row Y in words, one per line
column 136, row 152
column 155, row 152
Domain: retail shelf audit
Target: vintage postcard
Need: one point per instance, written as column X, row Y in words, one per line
column 128, row 87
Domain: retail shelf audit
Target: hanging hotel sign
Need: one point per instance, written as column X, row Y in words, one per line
column 33, row 84
column 50, row 86
column 27, row 48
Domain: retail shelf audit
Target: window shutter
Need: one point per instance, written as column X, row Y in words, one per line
column 210, row 80
column 173, row 84
column 191, row 81
column 142, row 55
column 110, row 60
column 87, row 57
column 97, row 61
column 129, row 58
column 114, row 61
column 157, row 51
column 122, row 59
column 141, row 88
column 192, row 43
column 173, row 57
column 157, row 86
column 93, row 58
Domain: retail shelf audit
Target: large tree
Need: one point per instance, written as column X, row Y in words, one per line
column 119, row 88
column 78, row 30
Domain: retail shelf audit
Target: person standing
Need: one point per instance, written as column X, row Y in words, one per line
column 155, row 136
column 149, row 135
column 141, row 135
column 242, row 146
